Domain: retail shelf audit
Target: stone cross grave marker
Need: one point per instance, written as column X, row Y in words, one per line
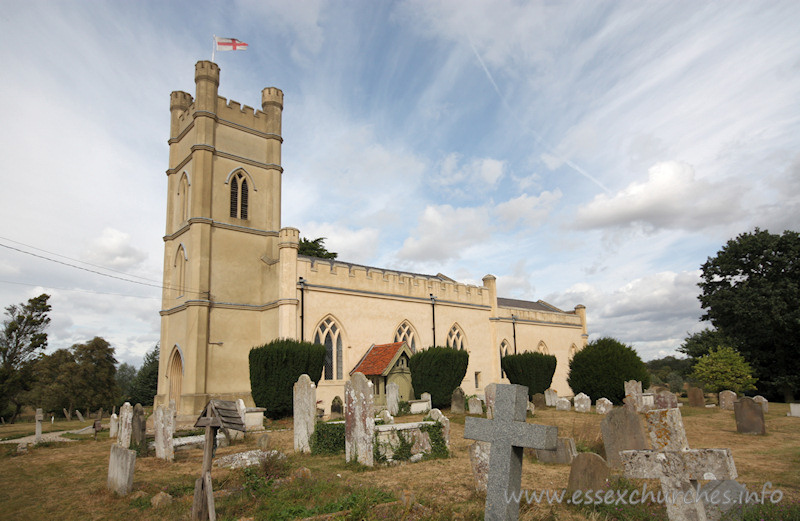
column 39, row 418
column 489, row 393
column 666, row 429
column 475, row 405
column 113, row 426
column 125, row 425
column 603, row 406
column 508, row 434
column 164, row 426
column 457, row 401
column 726, row 399
column 305, row 411
column 550, row 397
column 393, row 398
column 749, row 416
column 359, row 420
column 621, row 430
column 582, row 403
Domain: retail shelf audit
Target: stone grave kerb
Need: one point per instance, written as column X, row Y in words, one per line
column 508, row 433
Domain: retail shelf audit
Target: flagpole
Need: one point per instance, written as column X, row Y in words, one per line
column 214, row 48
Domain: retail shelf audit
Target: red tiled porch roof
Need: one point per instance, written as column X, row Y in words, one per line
column 377, row 359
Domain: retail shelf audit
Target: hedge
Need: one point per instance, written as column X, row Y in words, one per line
column 601, row 369
column 438, row 371
column 274, row 369
column 533, row 370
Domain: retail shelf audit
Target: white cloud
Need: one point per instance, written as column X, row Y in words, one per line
column 351, row 245
column 671, row 197
column 530, row 210
column 113, row 249
column 476, row 175
column 444, row 232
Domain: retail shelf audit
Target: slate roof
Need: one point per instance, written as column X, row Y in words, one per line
column 378, row 359
column 540, row 305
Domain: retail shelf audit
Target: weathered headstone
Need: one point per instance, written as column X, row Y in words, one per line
column 427, row 397
column 666, row 429
column 726, row 399
column 603, row 406
column 564, row 453
column 696, row 397
column 749, row 416
column 633, row 395
column 589, row 472
column 337, row 407
column 721, row 499
column 39, row 418
column 393, row 398
column 621, row 430
column 582, row 403
column 647, row 402
column 563, row 404
column 665, row 400
column 457, row 401
column 164, row 425
column 508, row 434
column 113, row 426
column 489, row 393
column 794, row 410
column 475, row 405
column 125, row 425
column 479, row 459
column 763, row 402
column 539, row 400
column 67, row 415
column 80, row 416
column 531, row 408
column 120, row 470
column 305, row 412
column 138, row 426
column 551, row 397
column 438, row 416
column 385, row 417
column 359, row 420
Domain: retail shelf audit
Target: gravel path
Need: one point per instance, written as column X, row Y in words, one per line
column 48, row 436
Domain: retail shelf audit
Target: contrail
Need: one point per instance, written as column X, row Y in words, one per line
column 536, row 135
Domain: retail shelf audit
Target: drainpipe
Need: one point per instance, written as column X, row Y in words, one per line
column 302, row 284
column 433, row 313
column 514, row 325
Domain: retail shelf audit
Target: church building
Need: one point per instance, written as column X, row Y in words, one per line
column 233, row 278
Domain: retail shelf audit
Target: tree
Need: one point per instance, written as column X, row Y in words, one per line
column 750, row 292
column 126, row 374
column 601, row 369
column 23, row 337
column 145, row 385
column 97, row 370
column 55, row 382
column 701, row 343
column 315, row 248
column 724, row 368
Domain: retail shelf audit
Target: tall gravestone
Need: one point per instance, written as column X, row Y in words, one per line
column 164, row 426
column 582, row 403
column 508, row 433
column 749, row 416
column 489, row 393
column 121, row 463
column 125, row 425
column 67, row 415
column 696, row 397
column 359, row 420
column 427, row 398
column 621, row 430
column 305, row 410
column 393, row 398
column 539, row 401
column 726, row 399
column 39, row 418
column 479, row 460
column 80, row 416
column 457, row 401
column 550, row 397
column 138, row 426
column 633, row 395
column 113, row 426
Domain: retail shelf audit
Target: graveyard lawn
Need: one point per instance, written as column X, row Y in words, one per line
column 68, row 480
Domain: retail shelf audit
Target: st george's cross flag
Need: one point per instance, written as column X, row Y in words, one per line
column 229, row 44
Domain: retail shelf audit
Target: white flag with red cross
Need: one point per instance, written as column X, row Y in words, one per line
column 229, row 44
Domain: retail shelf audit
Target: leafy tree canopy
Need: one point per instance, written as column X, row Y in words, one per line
column 601, row 369
column 750, row 291
column 315, row 248
column 145, row 385
column 702, row 342
column 97, row 370
column 126, row 374
column 724, row 368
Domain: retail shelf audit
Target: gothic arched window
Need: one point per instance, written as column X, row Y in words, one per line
column 456, row 338
column 179, row 272
column 183, row 198
column 405, row 333
column 239, row 196
column 542, row 348
column 503, row 352
column 329, row 334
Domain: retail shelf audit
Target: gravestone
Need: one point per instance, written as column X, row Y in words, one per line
column 589, row 472
column 125, row 425
column 763, row 402
column 582, row 403
column 508, row 434
column 305, row 412
column 489, row 394
column 475, row 405
column 714, row 495
column 539, row 400
column 551, row 397
column 794, row 410
column 427, row 397
column 603, row 406
column 479, row 460
column 726, row 399
column 138, row 426
column 621, row 430
column 633, row 395
column 393, row 398
column 67, row 415
column 647, row 402
column 563, row 404
column 163, row 425
column 531, row 408
column 337, row 407
column 457, row 401
column 749, row 416
column 696, row 398
column 385, row 417
column 359, row 420
column 564, row 453
column 438, row 416
column 666, row 429
column 80, row 416
column 39, row 418
column 120, row 470
column 113, row 426
column 665, row 400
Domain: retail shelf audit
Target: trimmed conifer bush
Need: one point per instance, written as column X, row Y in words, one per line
column 438, row 371
column 533, row 370
column 601, row 369
column 274, row 369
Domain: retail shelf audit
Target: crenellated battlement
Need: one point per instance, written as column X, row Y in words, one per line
column 243, row 115
column 556, row 316
column 336, row 274
column 272, row 96
column 206, row 70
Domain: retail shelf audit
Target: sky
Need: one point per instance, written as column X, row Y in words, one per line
column 593, row 153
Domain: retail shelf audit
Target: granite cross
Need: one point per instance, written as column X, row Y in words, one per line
column 508, row 434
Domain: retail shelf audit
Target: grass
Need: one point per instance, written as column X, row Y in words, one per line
column 68, row 480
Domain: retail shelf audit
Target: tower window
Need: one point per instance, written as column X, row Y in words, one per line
column 239, row 196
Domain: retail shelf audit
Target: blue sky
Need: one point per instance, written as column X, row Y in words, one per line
column 588, row 153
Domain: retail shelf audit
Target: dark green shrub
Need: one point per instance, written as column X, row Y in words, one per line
column 438, row 371
column 601, row 369
column 274, row 369
column 328, row 438
column 533, row 370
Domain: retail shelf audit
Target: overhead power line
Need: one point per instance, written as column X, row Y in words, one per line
column 79, row 290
